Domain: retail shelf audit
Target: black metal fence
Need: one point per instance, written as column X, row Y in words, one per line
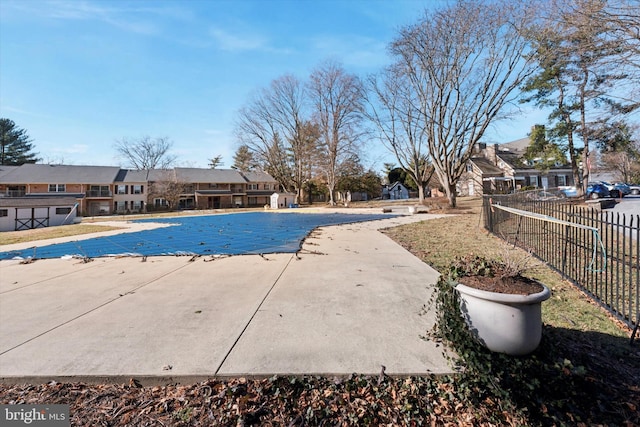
column 595, row 249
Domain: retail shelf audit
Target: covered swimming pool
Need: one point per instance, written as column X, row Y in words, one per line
column 222, row 234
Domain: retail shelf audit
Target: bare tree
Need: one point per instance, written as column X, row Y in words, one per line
column 395, row 111
column 621, row 18
column 338, row 109
column 465, row 64
column 146, row 153
column 166, row 186
column 624, row 164
column 273, row 127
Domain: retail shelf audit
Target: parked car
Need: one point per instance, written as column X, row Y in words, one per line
column 624, row 189
column 541, row 195
column 635, row 189
column 596, row 190
column 568, row 191
column 613, row 191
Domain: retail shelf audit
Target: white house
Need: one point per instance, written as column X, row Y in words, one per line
column 396, row 191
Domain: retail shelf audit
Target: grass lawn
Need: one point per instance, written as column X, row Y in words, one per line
column 10, row 237
column 584, row 373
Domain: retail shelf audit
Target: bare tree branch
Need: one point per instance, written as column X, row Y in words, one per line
column 146, row 153
column 338, row 105
column 273, row 127
column 394, row 110
column 465, row 64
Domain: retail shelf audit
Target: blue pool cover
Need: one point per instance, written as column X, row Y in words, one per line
column 230, row 234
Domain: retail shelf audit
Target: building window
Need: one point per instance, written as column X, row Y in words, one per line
column 136, row 205
column 252, row 186
column 534, row 181
column 4, row 212
column 562, row 180
column 213, row 186
column 268, row 187
column 159, row 202
column 122, row 189
column 16, row 191
column 57, row 188
column 137, row 189
column 63, row 211
column 99, row 191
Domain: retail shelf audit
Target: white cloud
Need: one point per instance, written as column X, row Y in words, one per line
column 232, row 42
column 214, row 132
column 352, row 51
column 10, row 109
column 78, row 10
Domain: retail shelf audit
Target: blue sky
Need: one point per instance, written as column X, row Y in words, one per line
column 79, row 75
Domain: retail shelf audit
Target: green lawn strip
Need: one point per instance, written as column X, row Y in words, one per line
column 11, row 237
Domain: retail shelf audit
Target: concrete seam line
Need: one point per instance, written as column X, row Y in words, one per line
column 44, row 280
column 224, row 359
column 93, row 309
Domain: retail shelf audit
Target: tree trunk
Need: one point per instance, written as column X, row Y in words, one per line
column 420, row 194
column 452, row 194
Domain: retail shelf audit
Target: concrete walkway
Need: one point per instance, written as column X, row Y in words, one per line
column 351, row 301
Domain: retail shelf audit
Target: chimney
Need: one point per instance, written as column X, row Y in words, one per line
column 479, row 147
column 491, row 153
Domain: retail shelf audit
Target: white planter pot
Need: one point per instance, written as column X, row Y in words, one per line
column 504, row 323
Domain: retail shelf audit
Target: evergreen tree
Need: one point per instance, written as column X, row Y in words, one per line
column 15, row 145
column 216, row 161
column 243, row 159
column 541, row 152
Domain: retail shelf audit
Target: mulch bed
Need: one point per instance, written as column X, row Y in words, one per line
column 288, row 401
column 515, row 285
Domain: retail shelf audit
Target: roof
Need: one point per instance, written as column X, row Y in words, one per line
column 513, row 159
column 6, row 169
column 258, row 176
column 18, row 202
column 516, row 161
column 129, row 175
column 213, row 192
column 518, row 146
column 397, row 184
column 486, row 166
column 67, row 174
column 512, row 153
column 224, row 176
column 61, row 174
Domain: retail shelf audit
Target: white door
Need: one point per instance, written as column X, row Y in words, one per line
column 545, row 182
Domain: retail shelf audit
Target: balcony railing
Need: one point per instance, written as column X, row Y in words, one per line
column 99, row 193
column 15, row 193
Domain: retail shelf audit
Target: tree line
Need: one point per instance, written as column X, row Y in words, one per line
column 455, row 72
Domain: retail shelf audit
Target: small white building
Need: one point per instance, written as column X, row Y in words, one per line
column 282, row 200
column 397, row 191
column 25, row 213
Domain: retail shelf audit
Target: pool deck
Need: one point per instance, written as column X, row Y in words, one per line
column 351, row 301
